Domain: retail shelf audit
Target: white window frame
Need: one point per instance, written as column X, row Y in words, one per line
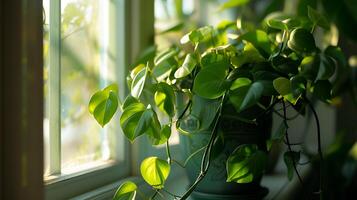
column 68, row 186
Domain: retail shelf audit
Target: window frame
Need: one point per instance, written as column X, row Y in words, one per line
column 68, row 186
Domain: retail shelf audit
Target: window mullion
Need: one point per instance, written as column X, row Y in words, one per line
column 55, row 86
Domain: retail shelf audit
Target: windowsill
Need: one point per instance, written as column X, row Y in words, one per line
column 277, row 183
column 84, row 169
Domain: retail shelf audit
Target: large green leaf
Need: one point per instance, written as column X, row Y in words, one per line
column 211, row 81
column 301, row 41
column 188, row 65
column 155, row 171
column 103, row 104
column 260, row 41
column 291, row 157
column 126, row 191
column 246, row 96
column 101, row 96
column 283, row 86
column 165, row 98
column 138, row 83
column 130, row 119
column 148, row 124
column 233, row 3
column 246, row 164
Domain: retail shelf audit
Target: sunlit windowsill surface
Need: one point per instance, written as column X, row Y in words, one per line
column 78, row 171
column 280, row 188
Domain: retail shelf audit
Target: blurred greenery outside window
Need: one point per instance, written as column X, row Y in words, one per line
column 86, row 62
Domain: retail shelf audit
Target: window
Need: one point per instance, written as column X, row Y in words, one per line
column 82, row 54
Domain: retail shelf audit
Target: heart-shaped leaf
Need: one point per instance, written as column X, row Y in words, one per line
column 211, row 81
column 126, row 191
column 188, row 65
column 246, row 164
column 103, row 104
column 301, row 41
column 165, row 98
column 246, row 96
column 130, row 118
column 155, row 171
column 291, row 157
column 101, row 96
column 283, row 86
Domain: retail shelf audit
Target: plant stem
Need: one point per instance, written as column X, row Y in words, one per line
column 288, row 143
column 168, row 152
column 319, row 149
column 206, row 158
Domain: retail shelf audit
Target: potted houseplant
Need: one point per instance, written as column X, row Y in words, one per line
column 218, row 89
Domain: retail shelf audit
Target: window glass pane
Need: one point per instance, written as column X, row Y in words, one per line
column 87, row 63
column 84, row 69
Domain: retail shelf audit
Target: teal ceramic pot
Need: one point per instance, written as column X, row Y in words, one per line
column 234, row 132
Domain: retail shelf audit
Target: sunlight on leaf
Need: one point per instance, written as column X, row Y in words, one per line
column 155, row 171
column 126, row 191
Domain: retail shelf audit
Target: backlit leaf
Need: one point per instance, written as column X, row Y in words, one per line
column 155, row 171
column 188, row 65
column 126, row 191
column 105, row 110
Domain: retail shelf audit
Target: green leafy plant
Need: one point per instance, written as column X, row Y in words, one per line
column 219, row 66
